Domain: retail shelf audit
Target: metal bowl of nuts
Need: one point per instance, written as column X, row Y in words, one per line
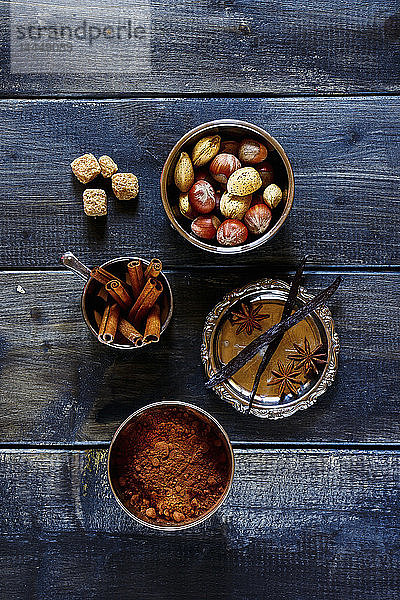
column 227, row 186
column 170, row 465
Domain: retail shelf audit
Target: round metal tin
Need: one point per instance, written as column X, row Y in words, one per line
column 200, row 414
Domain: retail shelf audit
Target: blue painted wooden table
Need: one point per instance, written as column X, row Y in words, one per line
column 314, row 509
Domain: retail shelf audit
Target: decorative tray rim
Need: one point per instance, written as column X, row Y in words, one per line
column 309, row 398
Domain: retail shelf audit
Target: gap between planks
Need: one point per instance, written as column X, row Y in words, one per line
column 285, row 268
column 237, row 445
column 161, row 96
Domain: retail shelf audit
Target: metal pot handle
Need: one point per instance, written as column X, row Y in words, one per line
column 70, row 261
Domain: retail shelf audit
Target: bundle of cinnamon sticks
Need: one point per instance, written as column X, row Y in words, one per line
column 132, row 306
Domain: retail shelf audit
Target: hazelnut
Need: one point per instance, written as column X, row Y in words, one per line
column 218, row 195
column 223, row 165
column 270, row 147
column 234, row 207
column 230, row 146
column 206, row 227
column 266, row 171
column 252, row 151
column 203, row 173
column 186, row 208
column 151, row 513
column 272, row 195
column 258, row 218
column 256, row 199
column 202, row 197
column 232, row 233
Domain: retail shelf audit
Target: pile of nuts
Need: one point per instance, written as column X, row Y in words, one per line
column 124, row 185
column 226, row 188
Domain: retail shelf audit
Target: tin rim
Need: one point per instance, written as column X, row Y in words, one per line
column 222, row 432
column 249, row 128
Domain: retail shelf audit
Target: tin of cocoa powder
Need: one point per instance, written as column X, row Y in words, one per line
column 170, row 465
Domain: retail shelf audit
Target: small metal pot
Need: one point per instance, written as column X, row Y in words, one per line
column 92, row 286
column 236, row 130
column 200, row 414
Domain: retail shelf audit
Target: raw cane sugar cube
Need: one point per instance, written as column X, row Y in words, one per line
column 86, row 168
column 125, row 186
column 95, row 203
column 107, row 165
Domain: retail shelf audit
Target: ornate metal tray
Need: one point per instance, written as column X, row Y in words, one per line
column 243, row 315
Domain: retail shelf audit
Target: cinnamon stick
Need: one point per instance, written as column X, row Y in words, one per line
column 149, row 285
column 148, row 302
column 153, row 325
column 273, row 346
column 136, row 277
column 262, row 341
column 109, row 323
column 130, row 333
column 116, row 289
column 103, row 276
column 102, row 294
column 154, row 268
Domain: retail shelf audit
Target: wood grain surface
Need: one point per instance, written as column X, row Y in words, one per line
column 345, row 156
column 303, row 524
column 297, row 524
column 59, row 385
column 223, row 47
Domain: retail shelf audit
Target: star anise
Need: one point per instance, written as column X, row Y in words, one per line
column 308, row 359
column 248, row 319
column 288, row 376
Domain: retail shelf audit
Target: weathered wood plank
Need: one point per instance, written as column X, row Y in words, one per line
column 203, row 47
column 58, row 385
column 297, row 524
column 345, row 156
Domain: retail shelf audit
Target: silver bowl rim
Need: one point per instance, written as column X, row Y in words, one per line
column 227, row 250
column 221, row 430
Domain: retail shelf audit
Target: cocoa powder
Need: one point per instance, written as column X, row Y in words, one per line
column 170, row 467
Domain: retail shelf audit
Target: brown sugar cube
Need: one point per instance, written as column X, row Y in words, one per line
column 95, row 203
column 107, row 165
column 86, row 168
column 125, row 186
